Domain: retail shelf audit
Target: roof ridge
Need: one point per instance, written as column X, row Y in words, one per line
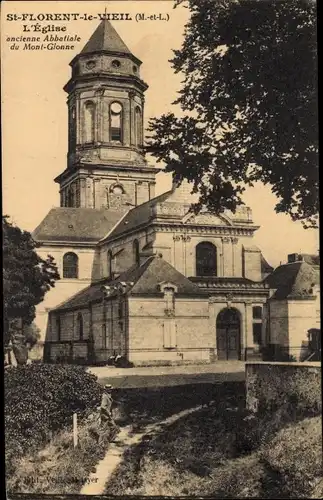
column 151, row 200
column 116, row 224
column 73, row 296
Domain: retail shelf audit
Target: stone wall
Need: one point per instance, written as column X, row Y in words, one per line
column 123, row 252
column 271, row 386
column 278, row 322
column 106, row 321
column 289, row 322
column 64, row 288
column 191, row 340
column 301, row 318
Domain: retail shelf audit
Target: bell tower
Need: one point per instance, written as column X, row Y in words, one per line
column 106, row 167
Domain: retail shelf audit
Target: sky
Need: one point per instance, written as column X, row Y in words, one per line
column 34, row 119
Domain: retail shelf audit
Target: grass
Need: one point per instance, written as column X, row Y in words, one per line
column 59, row 467
column 293, row 459
column 196, row 442
column 148, row 405
column 198, row 455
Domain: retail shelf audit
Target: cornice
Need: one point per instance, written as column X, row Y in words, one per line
column 58, row 243
column 104, row 168
column 218, row 230
column 88, row 55
column 245, row 297
column 175, row 227
column 105, row 76
column 233, row 287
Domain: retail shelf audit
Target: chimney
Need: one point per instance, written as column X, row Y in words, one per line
column 183, row 191
column 294, row 257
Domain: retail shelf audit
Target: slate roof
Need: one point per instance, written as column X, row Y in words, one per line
column 138, row 216
column 145, row 278
column 293, row 280
column 105, row 38
column 159, row 270
column 265, row 266
column 76, row 224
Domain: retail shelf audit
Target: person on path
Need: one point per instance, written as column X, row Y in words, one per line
column 106, row 418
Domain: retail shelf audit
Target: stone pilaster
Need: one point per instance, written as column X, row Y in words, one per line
column 234, row 242
column 90, row 192
column 83, row 192
column 249, row 343
column 227, row 257
column 97, row 193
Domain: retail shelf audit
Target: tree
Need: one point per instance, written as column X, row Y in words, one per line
column 249, row 95
column 26, row 277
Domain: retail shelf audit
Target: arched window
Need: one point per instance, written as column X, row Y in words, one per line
column 206, row 259
column 89, row 116
column 116, row 122
column 116, row 189
column 79, row 323
column 138, row 127
column 109, row 256
column 136, row 253
column 70, row 265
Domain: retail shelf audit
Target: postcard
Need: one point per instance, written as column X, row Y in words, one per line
column 161, row 262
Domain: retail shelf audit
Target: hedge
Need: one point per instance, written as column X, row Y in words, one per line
column 40, row 399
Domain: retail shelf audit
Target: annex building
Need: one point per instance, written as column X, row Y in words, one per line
column 141, row 275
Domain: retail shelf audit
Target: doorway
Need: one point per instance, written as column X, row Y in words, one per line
column 228, row 340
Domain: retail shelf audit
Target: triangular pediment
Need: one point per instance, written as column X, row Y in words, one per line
column 207, row 219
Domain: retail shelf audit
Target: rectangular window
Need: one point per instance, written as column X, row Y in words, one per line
column 58, row 328
column 257, row 327
column 115, row 134
column 257, row 312
column 104, row 337
column 170, row 334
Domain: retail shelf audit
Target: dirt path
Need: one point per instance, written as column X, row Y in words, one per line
column 105, row 468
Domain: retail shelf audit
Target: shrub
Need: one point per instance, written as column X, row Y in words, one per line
column 293, row 460
column 40, row 398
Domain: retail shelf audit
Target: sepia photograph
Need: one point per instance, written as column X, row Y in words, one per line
column 161, row 266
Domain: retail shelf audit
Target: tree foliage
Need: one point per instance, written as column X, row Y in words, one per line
column 249, row 97
column 26, row 276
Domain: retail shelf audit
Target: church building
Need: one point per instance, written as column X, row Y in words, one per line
column 141, row 275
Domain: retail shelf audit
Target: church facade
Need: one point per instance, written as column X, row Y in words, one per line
column 141, row 275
